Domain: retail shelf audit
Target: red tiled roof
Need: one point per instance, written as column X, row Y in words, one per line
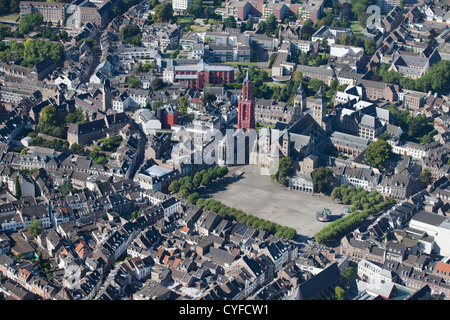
column 175, row 263
column 24, row 273
column 442, row 268
column 185, row 229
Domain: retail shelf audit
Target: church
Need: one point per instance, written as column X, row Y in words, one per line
column 305, row 135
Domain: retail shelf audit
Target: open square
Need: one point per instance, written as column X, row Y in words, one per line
column 257, row 195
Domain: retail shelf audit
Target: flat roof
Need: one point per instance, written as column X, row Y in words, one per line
column 429, row 218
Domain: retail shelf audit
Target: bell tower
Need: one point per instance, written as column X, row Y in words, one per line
column 299, row 103
column 246, row 105
column 320, row 108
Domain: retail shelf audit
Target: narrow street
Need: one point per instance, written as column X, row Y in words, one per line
column 140, row 152
column 95, row 61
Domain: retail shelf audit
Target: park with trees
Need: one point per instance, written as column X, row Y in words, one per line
column 418, row 129
column 50, row 125
column 364, row 204
column 436, row 79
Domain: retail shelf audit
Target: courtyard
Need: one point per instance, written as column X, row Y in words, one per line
column 256, row 194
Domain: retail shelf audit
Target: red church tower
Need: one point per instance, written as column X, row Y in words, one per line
column 246, row 106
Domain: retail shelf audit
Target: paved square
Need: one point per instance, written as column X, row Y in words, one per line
column 256, row 194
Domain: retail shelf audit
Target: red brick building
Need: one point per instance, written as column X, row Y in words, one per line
column 198, row 73
column 246, row 106
column 169, row 116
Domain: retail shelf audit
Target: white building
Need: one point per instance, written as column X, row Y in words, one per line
column 371, row 272
column 414, row 150
column 435, row 226
column 147, row 121
column 170, row 206
column 301, row 181
column 179, row 6
column 302, row 45
column 123, row 101
column 339, row 50
column 139, row 96
column 329, row 33
column 71, row 80
column 365, row 178
column 25, row 216
column 27, row 187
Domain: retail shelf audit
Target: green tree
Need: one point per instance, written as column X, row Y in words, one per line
column 271, row 25
column 195, row 8
column 281, row 169
column 321, row 178
column 249, row 25
column 157, row 84
column 30, row 22
column 272, row 58
column 229, row 22
column 206, row 180
column 370, row 46
column 35, row 227
column 209, row 98
column 348, row 275
column 174, row 186
column 65, row 187
column 163, row 13
column 197, row 180
column 18, row 188
column 378, row 153
column 175, row 53
column 157, row 105
column 48, row 116
column 184, row 192
column 36, row 50
column 222, row 171
column 76, row 117
column 183, row 106
column 193, row 197
column 136, row 214
column 77, row 148
column 111, row 143
column 134, row 83
column 339, row 293
column 131, row 34
column 426, row 177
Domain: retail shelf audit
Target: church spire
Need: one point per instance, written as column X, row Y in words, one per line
column 300, row 89
column 320, row 93
column 247, row 77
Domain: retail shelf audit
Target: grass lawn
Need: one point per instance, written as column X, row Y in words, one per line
column 250, row 64
column 355, row 26
column 182, row 20
column 265, row 125
column 199, row 28
column 10, row 17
